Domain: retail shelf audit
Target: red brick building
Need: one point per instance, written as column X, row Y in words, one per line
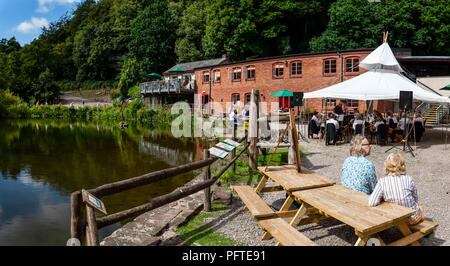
column 232, row 82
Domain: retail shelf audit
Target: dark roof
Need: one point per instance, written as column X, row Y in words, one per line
column 423, row 58
column 291, row 55
column 190, row 66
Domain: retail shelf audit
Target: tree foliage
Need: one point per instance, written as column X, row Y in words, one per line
column 110, row 42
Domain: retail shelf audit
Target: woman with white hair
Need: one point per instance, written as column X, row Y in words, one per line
column 358, row 173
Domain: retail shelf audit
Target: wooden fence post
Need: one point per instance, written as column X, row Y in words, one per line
column 75, row 219
column 91, row 232
column 253, row 130
column 233, row 152
column 206, row 177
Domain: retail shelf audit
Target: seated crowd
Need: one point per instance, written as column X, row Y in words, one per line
column 377, row 127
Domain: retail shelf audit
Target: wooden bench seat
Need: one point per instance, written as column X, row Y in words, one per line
column 425, row 227
column 420, row 230
column 284, row 233
column 257, row 207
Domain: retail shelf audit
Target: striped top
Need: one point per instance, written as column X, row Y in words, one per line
column 399, row 190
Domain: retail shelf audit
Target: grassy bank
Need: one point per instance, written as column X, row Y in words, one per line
column 134, row 111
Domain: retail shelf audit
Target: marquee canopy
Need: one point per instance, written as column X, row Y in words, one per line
column 383, row 81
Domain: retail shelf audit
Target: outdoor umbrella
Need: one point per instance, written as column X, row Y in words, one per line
column 154, row 75
column 446, row 87
column 175, row 70
column 282, row 93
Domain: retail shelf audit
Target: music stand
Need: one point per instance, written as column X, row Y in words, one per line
column 406, row 134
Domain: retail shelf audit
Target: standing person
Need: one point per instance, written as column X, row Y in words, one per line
column 358, row 173
column 339, row 111
column 397, row 187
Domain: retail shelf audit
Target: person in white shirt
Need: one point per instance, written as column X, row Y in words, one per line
column 403, row 121
column 316, row 118
column 378, row 122
column 419, row 118
column 358, row 121
column 333, row 121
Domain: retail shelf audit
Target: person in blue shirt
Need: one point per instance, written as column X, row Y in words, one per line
column 358, row 173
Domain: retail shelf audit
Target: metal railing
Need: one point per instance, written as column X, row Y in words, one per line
column 167, row 86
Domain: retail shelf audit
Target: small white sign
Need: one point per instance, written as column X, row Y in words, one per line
column 225, row 146
column 232, row 143
column 218, row 152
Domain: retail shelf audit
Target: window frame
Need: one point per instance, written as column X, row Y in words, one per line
column 233, row 72
column 245, row 98
column 250, row 67
column 301, row 68
column 206, row 73
column 353, row 64
column 330, row 64
column 274, row 70
column 326, row 101
column 350, row 103
column 214, row 76
column 238, row 98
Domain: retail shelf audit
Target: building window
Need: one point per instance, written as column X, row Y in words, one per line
column 352, row 65
column 278, row 70
column 216, row 76
column 205, row 77
column 296, row 68
column 352, row 103
column 248, row 98
column 235, row 98
column 251, row 73
column 330, row 103
column 236, row 76
column 329, row 66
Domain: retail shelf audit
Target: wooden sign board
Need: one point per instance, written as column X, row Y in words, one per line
column 232, row 143
column 225, row 146
column 218, row 152
column 94, row 202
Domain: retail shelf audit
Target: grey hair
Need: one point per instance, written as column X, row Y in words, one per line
column 356, row 145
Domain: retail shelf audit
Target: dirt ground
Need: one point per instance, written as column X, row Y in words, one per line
column 430, row 170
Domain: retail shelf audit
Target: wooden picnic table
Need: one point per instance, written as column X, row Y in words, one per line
column 290, row 180
column 351, row 207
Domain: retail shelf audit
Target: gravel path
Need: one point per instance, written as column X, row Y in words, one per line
column 430, row 170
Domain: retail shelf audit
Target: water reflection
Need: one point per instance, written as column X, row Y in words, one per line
column 42, row 162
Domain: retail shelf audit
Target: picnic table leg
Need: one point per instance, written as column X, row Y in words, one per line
column 287, row 204
column 361, row 241
column 261, row 184
column 406, row 232
column 300, row 213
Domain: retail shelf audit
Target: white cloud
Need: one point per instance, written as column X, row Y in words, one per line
column 44, row 6
column 33, row 25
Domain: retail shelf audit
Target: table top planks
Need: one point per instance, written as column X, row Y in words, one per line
column 288, row 177
column 351, row 207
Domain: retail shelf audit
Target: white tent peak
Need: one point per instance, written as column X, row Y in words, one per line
column 381, row 58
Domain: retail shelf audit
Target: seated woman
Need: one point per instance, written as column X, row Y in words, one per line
column 314, row 125
column 397, row 187
column 358, row 121
column 358, row 173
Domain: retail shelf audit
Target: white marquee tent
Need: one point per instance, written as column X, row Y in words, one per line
column 383, row 81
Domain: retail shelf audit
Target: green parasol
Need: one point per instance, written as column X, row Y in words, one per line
column 445, row 87
column 154, row 75
column 175, row 70
column 282, row 93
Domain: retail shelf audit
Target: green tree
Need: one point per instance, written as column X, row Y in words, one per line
column 421, row 25
column 153, row 35
column 188, row 46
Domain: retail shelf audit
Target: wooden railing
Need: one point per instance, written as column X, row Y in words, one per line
column 85, row 224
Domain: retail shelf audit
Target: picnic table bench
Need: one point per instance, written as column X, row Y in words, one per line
column 351, row 207
column 284, row 233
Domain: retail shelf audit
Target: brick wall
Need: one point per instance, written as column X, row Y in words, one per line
column 311, row 79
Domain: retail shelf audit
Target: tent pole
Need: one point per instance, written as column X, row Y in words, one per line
column 326, row 117
column 364, row 117
column 446, row 128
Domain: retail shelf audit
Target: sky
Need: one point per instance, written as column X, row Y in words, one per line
column 24, row 19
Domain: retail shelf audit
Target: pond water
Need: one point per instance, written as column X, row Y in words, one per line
column 43, row 161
